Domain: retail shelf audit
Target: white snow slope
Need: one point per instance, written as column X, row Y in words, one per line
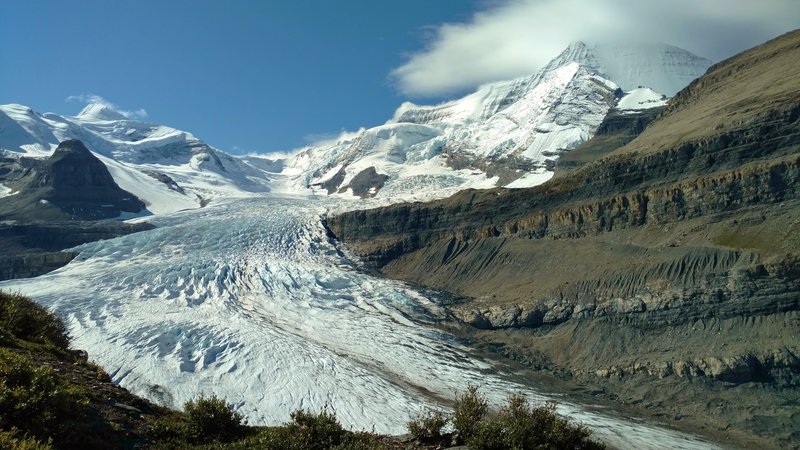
column 249, row 300
column 434, row 151
column 641, row 98
column 507, row 133
column 133, row 149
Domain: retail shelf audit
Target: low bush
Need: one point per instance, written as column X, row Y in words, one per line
column 470, row 408
column 315, row 431
column 14, row 440
column 518, row 426
column 310, row 431
column 31, row 322
column 428, row 427
column 211, row 418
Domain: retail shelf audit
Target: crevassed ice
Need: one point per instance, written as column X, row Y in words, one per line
column 249, row 300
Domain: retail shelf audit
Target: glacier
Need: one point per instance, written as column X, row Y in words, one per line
column 249, row 299
column 238, row 291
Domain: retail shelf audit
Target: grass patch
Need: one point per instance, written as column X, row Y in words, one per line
column 34, row 398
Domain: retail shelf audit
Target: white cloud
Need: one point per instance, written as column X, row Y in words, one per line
column 332, row 138
column 517, row 37
column 140, row 113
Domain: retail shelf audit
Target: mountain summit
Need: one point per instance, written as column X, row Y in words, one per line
column 664, row 68
column 508, row 133
column 98, row 111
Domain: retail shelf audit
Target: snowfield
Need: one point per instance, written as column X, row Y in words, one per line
column 248, row 299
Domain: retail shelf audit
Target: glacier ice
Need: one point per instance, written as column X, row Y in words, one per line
column 247, row 298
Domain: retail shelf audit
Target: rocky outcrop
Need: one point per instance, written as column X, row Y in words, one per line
column 32, row 264
column 72, row 184
column 31, row 249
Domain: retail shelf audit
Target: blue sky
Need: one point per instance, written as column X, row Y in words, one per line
column 247, row 75
column 274, row 75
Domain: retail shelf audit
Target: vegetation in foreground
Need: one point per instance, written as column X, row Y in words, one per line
column 52, row 397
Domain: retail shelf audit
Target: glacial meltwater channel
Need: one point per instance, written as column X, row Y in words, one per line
column 248, row 299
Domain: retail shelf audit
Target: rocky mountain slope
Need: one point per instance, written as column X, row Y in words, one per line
column 167, row 169
column 70, row 184
column 667, row 272
column 55, row 203
column 507, row 133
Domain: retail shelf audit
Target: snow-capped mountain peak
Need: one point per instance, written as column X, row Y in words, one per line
column 661, row 67
column 99, row 111
column 507, row 133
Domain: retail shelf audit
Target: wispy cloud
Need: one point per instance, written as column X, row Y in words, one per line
column 331, row 138
column 140, row 113
column 516, row 37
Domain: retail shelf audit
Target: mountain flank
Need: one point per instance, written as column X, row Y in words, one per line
column 664, row 273
column 58, row 203
column 72, row 184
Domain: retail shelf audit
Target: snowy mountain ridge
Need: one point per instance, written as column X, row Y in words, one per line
column 501, row 133
column 508, row 133
column 168, row 169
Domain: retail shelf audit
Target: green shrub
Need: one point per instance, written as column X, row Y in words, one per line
column 211, row 418
column 37, row 400
column 29, row 321
column 309, row 431
column 169, row 429
column 470, row 408
column 428, row 427
column 315, row 431
column 7, row 338
column 518, row 426
column 12, row 440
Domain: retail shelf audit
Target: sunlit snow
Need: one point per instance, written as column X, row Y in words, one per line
column 641, row 98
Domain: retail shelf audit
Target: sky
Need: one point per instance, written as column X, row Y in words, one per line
column 264, row 76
